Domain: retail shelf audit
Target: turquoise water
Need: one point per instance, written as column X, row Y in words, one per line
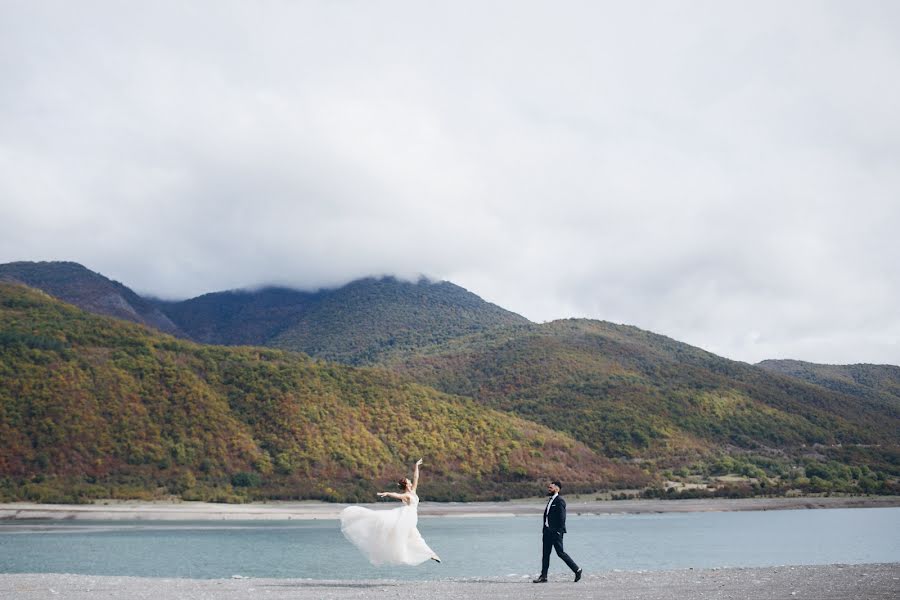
column 470, row 547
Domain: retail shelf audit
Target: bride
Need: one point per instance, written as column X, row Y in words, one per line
column 389, row 537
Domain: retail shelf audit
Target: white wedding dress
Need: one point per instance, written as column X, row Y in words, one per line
column 387, row 537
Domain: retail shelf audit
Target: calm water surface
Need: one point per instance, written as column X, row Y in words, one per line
column 470, row 547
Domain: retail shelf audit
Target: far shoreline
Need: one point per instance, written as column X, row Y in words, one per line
column 119, row 510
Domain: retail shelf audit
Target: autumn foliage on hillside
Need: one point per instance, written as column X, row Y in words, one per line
column 632, row 394
column 94, row 407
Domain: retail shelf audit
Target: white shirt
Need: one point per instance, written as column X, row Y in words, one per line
column 547, row 509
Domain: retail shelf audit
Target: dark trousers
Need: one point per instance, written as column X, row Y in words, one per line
column 554, row 539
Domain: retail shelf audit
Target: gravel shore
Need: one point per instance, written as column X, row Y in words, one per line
column 828, row 582
column 198, row 511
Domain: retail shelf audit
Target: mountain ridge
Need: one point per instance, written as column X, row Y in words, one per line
column 78, row 285
column 274, row 334
column 355, row 323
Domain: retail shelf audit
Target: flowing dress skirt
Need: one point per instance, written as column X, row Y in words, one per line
column 386, row 537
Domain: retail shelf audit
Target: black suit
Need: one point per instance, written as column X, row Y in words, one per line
column 554, row 528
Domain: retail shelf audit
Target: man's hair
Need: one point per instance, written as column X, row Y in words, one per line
column 557, row 484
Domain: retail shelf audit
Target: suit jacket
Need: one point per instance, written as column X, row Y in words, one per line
column 556, row 518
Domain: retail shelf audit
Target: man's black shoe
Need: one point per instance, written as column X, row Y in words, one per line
column 540, row 580
column 577, row 575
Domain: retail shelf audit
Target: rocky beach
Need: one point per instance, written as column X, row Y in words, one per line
column 826, row 582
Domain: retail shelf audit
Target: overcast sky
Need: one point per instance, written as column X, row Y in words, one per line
column 727, row 174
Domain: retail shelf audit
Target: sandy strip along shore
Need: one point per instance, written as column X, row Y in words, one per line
column 190, row 511
column 829, row 582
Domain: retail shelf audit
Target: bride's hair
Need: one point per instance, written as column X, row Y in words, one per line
column 401, row 483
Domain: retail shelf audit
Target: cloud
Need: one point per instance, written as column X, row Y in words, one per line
column 721, row 173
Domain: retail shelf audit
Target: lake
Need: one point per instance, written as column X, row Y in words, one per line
column 469, row 546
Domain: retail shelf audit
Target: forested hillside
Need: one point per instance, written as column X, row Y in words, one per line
column 94, row 407
column 371, row 319
column 238, row 317
column 877, row 383
column 358, row 324
column 630, row 393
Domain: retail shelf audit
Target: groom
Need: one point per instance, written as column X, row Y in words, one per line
column 554, row 528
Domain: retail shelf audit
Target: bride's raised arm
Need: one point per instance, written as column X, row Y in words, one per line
column 415, row 481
